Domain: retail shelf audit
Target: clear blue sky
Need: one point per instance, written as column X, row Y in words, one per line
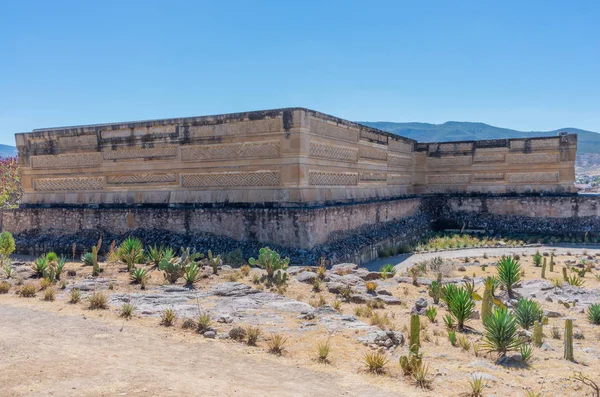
column 529, row 65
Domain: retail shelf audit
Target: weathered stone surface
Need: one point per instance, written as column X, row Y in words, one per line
column 307, row 277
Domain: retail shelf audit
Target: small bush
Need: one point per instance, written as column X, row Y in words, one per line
column 245, row 270
column 49, row 294
column 188, row 323
column 40, row 266
column 421, row 376
column 371, row 286
column 387, row 271
column 276, row 344
column 452, row 338
column 555, row 333
column 252, row 335
column 477, row 385
column 4, row 287
column 168, row 317
column 323, row 350
column 382, row 321
column 464, row 343
column 317, row 285
column 238, row 334
column 255, row 278
column 431, row 313
column 127, row 310
column 526, row 352
column 593, row 314
column 375, row 362
column 98, row 301
column 7, row 268
column 7, row 244
column 449, row 321
column 45, row 283
column 204, row 322
column 336, row 304
column 28, row 290
column 74, row 296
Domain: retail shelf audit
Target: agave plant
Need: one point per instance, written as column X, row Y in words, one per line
column 191, row 273
column 40, row 266
column 131, row 251
column 7, row 268
column 155, row 254
column 461, row 305
column 593, row 313
column 387, row 271
column 500, row 332
column 528, row 312
column 174, row 267
column 509, row 273
column 139, row 276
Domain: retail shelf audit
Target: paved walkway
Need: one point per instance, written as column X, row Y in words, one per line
column 406, row 260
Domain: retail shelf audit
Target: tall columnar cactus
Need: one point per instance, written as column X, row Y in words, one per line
column 415, row 334
column 95, row 266
column 435, row 291
column 486, row 301
column 565, row 274
column 538, row 332
column 544, row 269
column 551, row 263
column 568, row 337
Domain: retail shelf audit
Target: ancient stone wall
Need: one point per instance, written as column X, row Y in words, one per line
column 282, row 157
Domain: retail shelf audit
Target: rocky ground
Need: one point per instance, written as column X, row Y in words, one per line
column 57, row 348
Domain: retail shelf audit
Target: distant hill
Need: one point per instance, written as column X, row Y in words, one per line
column 7, row 151
column 588, row 141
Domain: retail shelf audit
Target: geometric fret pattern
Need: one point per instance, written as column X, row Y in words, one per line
column 449, row 161
column 533, row 158
column 231, row 179
column 140, row 178
column 169, row 151
column 533, row 177
column 67, row 160
column 373, row 153
column 333, row 152
column 68, row 184
column 325, row 178
column 231, row 151
column 449, row 179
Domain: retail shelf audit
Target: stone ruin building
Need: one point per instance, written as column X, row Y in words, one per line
column 291, row 177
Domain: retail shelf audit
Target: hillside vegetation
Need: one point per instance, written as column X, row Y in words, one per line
column 588, row 141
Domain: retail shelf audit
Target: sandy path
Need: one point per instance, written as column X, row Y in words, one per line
column 46, row 353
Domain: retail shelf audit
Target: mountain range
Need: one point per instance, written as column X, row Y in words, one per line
column 7, row 151
column 587, row 142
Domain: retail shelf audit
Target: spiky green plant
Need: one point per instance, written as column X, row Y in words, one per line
column 461, row 305
column 140, row 276
column 127, row 310
column 375, row 362
column 593, row 313
column 155, row 254
column 528, row 312
column 449, row 321
column 40, row 266
column 421, row 376
column 270, row 261
column 477, row 385
column 537, row 259
column 387, row 271
column 575, row 280
column 252, row 335
column 431, row 313
column 168, row 317
column 191, row 273
column 509, row 273
column 204, row 322
column 131, row 252
column 500, row 332
column 452, row 338
column 87, row 259
column 526, row 352
column 276, row 344
column 97, row 301
column 74, row 296
column 7, row 268
column 323, row 349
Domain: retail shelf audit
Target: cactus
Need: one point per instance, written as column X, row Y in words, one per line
column 95, row 266
column 538, row 331
column 544, row 269
column 435, row 291
column 270, row 261
column 568, row 340
column 215, row 262
column 439, row 278
column 280, row 277
column 415, row 334
column 486, row 302
column 552, row 262
column 565, row 277
column 410, row 363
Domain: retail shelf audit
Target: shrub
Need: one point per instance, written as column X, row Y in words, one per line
column 477, row 385
column 323, row 350
column 317, row 285
column 452, row 338
column 7, row 268
column 49, row 295
column 431, row 313
column 336, row 304
column 461, row 304
column 593, row 314
column 4, row 287
column 509, row 273
column 168, row 317
column 139, row 276
column 204, row 322
column 130, row 252
column 382, row 321
column 276, row 344
column 526, row 352
column 40, row 266
column 270, row 261
column 7, row 244
column 191, row 273
column 188, row 323
column 98, row 300
column 45, row 283
column 234, row 258
column 245, row 269
column 252, row 334
column 500, row 332
column 375, row 362
column 371, row 286
column 87, row 259
column 321, row 272
column 237, row 333
column 528, row 312
column 555, row 333
column 387, row 271
column 537, row 259
column 127, row 310
column 464, row 343
column 28, row 290
column 421, row 376
column 174, row 267
column 74, row 296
